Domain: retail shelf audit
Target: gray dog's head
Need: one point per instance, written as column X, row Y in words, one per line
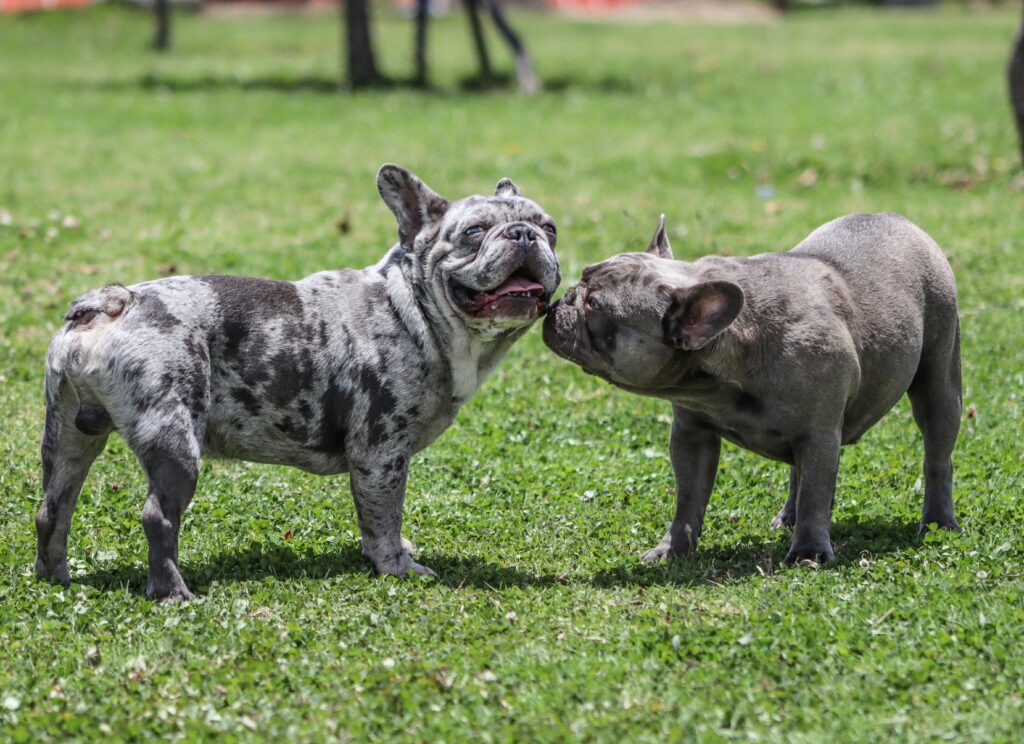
column 631, row 319
column 488, row 260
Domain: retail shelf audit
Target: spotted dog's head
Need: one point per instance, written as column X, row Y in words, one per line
column 636, row 319
column 488, row 260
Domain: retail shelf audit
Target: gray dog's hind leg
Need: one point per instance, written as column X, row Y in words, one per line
column 694, row 454
column 172, row 465
column 935, row 395
column 378, row 489
column 818, row 462
column 787, row 514
column 67, row 453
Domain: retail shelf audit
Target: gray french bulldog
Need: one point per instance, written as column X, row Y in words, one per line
column 789, row 355
column 347, row 370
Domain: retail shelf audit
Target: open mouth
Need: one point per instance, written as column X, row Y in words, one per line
column 520, row 294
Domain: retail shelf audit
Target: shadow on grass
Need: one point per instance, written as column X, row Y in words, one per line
column 499, row 83
column 260, row 561
column 760, row 557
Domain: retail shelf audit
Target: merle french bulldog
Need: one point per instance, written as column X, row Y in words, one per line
column 790, row 355
column 341, row 371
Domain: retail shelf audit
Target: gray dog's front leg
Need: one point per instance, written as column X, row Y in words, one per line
column 694, row 453
column 787, row 514
column 817, row 461
column 378, row 487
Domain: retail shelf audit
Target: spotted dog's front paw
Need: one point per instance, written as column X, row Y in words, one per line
column 400, row 564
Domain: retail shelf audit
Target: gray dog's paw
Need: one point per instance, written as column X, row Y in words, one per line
column 676, row 543
column 168, row 589
column 819, row 554
column 945, row 523
column 660, row 552
column 57, row 575
column 783, row 519
column 666, row 550
column 178, row 594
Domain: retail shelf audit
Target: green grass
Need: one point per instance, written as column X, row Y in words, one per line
column 232, row 155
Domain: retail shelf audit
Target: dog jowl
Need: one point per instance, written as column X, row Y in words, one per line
column 343, row 371
column 790, row 355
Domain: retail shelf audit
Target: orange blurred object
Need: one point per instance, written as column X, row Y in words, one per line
column 22, row 6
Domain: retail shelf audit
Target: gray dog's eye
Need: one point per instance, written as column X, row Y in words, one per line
column 549, row 228
column 472, row 231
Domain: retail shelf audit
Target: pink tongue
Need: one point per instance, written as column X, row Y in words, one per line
column 517, row 284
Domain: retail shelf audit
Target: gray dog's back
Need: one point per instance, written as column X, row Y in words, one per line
column 882, row 257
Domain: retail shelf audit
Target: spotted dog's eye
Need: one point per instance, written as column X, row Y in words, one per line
column 550, row 229
column 592, row 303
column 473, row 231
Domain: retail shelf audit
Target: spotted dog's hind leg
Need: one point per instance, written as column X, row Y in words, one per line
column 170, row 457
column 73, row 436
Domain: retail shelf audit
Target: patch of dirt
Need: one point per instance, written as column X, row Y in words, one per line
column 641, row 11
column 707, row 11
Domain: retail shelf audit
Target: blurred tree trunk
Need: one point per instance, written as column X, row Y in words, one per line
column 1016, row 74
column 162, row 16
column 362, row 69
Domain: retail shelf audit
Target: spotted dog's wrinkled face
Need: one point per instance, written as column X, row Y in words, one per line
column 490, row 261
column 629, row 317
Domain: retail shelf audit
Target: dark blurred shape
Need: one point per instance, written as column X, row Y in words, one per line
column 528, row 81
column 162, row 16
column 1016, row 75
column 362, row 68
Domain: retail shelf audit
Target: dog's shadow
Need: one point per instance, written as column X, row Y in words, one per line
column 762, row 556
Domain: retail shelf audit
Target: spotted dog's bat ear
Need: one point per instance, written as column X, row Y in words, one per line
column 699, row 313
column 507, row 187
column 414, row 204
column 659, row 245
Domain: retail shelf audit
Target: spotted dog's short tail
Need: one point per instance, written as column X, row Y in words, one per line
column 110, row 301
column 69, row 400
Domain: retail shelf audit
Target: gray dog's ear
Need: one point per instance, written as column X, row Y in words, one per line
column 659, row 243
column 700, row 313
column 507, row 187
column 412, row 201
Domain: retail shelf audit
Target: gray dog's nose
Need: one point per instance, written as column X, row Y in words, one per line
column 520, row 233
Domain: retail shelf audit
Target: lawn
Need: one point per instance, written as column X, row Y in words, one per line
column 234, row 154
